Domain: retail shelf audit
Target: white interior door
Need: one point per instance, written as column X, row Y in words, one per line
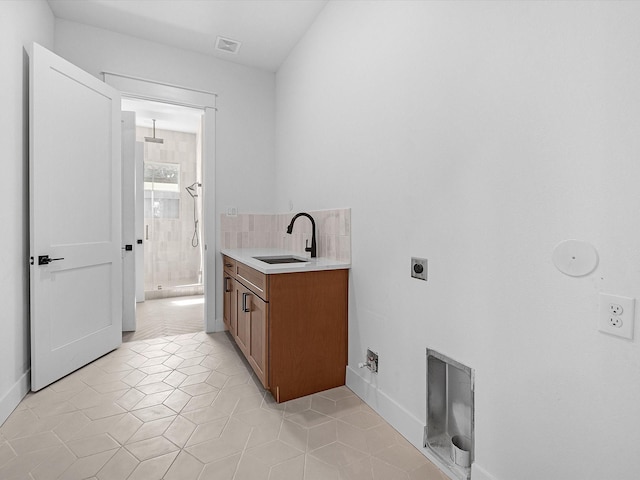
column 75, row 218
column 129, row 221
column 139, row 247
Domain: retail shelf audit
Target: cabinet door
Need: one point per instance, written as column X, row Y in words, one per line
column 258, row 323
column 230, row 308
column 233, row 315
column 226, row 302
column 243, row 301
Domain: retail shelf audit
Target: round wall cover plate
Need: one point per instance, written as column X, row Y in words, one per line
column 575, row 257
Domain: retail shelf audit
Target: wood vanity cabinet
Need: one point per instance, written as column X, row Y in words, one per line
column 291, row 327
column 228, row 284
column 252, row 331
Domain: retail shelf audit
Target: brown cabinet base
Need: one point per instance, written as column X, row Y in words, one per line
column 307, row 332
column 292, row 327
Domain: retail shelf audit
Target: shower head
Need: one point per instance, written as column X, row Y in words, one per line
column 154, row 139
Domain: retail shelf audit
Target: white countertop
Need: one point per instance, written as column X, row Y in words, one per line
column 245, row 255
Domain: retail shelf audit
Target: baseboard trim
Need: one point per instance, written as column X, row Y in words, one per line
column 479, row 473
column 16, row 393
column 407, row 424
column 400, row 418
column 218, row 326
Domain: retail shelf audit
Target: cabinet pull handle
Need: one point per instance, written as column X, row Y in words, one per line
column 228, row 265
column 226, row 284
column 245, row 308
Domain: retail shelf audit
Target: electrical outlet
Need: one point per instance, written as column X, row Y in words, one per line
column 615, row 309
column 617, row 315
column 419, row 268
column 615, row 321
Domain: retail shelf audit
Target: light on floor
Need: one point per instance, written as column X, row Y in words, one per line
column 186, row 303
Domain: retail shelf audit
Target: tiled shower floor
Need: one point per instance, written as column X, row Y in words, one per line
column 188, row 407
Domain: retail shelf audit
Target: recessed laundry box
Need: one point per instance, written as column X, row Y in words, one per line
column 449, row 430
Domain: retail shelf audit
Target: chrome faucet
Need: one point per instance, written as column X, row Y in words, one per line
column 307, row 248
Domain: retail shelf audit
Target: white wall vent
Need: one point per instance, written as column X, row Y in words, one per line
column 227, row 45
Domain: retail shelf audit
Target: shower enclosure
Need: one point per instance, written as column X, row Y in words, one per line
column 173, row 256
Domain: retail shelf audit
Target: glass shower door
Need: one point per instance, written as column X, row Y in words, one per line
column 162, row 220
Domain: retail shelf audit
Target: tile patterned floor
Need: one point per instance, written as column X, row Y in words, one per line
column 167, row 317
column 189, row 408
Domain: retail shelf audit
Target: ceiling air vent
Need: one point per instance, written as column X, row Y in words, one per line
column 227, row 45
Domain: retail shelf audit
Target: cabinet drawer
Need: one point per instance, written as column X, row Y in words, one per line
column 229, row 265
column 253, row 280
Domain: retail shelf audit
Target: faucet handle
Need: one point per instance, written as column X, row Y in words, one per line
column 307, row 248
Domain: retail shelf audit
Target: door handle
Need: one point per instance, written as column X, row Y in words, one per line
column 245, row 308
column 226, row 284
column 45, row 260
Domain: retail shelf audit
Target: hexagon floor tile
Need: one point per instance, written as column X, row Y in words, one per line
column 188, row 407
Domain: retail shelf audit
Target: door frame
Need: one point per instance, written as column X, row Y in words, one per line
column 144, row 89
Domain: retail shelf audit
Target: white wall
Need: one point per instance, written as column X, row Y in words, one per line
column 245, row 130
column 479, row 135
column 21, row 23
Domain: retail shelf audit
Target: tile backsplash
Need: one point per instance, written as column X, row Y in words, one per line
column 249, row 230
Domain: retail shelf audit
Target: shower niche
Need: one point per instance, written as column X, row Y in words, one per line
column 449, row 433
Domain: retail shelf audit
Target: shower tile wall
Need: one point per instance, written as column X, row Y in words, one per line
column 247, row 230
column 169, row 258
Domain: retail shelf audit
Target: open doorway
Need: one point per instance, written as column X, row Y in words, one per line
column 172, row 276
